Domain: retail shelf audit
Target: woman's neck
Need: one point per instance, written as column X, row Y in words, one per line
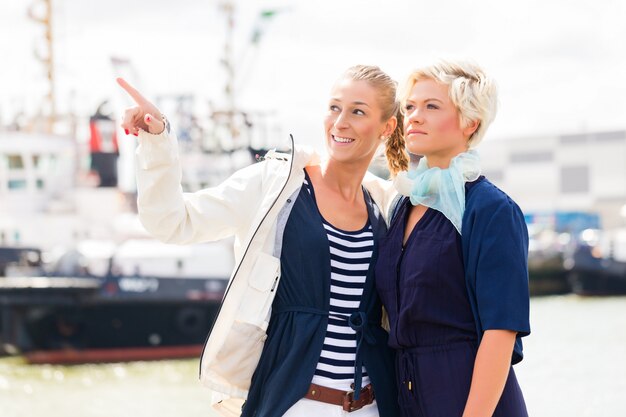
column 438, row 162
column 343, row 178
column 442, row 161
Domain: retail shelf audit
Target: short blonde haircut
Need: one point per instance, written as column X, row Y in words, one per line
column 471, row 90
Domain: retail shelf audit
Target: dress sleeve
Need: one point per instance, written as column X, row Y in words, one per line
column 176, row 217
column 502, row 269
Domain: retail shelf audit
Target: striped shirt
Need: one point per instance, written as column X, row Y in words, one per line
column 350, row 256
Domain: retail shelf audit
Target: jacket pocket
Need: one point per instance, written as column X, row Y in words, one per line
column 238, row 357
column 256, row 303
column 240, row 354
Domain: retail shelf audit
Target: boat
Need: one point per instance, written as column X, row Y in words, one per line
column 80, row 279
column 155, row 301
column 550, row 234
column 597, row 263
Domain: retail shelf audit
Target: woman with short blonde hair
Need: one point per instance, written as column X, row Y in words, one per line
column 452, row 271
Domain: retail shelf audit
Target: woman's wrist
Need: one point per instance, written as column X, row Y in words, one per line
column 151, row 121
column 166, row 123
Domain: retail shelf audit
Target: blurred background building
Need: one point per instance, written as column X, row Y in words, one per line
column 568, row 172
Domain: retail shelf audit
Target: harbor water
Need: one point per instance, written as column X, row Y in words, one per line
column 575, row 365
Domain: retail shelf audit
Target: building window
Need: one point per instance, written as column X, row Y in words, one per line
column 542, row 156
column 17, row 184
column 575, row 179
column 15, row 161
column 574, row 139
column 619, row 135
column 45, row 162
column 616, row 135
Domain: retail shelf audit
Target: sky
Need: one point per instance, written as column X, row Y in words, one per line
column 560, row 64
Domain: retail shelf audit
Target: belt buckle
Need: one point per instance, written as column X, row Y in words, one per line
column 349, row 404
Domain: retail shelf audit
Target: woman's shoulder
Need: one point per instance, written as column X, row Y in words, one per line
column 482, row 194
column 491, row 215
column 296, row 160
column 273, row 162
column 488, row 206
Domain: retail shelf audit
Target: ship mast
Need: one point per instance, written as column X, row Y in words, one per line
column 47, row 57
column 231, row 114
column 229, row 89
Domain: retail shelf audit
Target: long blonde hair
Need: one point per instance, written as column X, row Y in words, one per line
column 397, row 156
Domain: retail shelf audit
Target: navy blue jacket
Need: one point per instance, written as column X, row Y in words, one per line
column 494, row 242
column 495, row 255
column 300, row 317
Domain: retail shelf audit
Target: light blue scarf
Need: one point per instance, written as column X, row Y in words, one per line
column 441, row 189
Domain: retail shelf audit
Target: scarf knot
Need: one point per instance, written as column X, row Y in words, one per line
column 441, row 189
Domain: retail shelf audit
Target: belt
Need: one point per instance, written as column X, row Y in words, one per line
column 342, row 398
column 359, row 323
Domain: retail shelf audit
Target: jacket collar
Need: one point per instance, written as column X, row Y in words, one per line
column 302, row 155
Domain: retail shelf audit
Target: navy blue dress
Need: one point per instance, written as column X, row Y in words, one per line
column 433, row 328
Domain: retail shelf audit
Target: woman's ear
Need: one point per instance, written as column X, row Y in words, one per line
column 390, row 127
column 470, row 128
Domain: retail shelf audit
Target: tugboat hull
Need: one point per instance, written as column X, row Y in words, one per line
column 117, row 318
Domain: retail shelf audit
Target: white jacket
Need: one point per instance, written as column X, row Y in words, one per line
column 253, row 206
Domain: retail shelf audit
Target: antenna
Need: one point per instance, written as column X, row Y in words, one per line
column 230, row 115
column 228, row 8
column 47, row 58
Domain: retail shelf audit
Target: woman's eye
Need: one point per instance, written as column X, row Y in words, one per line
column 359, row 112
column 432, row 106
column 409, row 107
column 333, row 107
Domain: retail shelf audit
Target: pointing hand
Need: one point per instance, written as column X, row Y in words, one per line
column 144, row 115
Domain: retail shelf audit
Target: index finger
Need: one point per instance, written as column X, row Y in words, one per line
column 136, row 95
